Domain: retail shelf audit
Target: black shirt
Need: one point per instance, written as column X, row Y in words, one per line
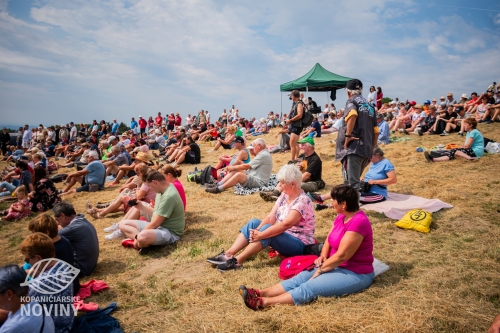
column 196, row 150
column 313, row 165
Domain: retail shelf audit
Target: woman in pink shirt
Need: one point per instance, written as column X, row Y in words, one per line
column 171, row 175
column 345, row 265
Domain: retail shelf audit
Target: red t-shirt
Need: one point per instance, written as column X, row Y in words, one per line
column 171, row 120
column 143, row 123
column 158, row 120
column 178, row 121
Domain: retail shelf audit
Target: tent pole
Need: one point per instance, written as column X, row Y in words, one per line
column 281, row 107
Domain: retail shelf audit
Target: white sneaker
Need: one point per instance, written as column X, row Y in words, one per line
column 400, row 130
column 174, row 164
column 112, row 228
column 116, row 234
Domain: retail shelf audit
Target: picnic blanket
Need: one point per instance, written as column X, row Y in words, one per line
column 240, row 190
column 397, row 205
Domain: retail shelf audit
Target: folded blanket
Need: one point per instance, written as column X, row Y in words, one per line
column 397, row 205
column 240, row 190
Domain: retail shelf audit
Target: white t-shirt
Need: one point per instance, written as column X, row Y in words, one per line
column 207, row 116
column 95, row 128
column 189, row 121
column 417, row 116
column 72, row 133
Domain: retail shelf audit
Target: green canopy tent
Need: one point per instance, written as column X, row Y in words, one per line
column 317, row 79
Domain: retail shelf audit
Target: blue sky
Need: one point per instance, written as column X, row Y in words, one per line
column 78, row 60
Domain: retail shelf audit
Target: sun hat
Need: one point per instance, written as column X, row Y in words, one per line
column 434, row 100
column 142, row 156
column 308, row 140
column 157, row 131
column 262, row 120
column 449, row 95
column 393, row 103
column 442, row 97
column 464, row 95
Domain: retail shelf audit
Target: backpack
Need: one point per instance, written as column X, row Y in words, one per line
column 307, row 117
column 59, row 178
column 207, row 175
column 292, row 266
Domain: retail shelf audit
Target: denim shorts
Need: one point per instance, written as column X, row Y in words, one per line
column 163, row 235
column 337, row 282
column 284, row 243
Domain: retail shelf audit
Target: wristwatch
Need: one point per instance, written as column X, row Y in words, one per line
column 348, row 135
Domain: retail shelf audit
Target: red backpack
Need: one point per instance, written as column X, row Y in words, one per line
column 292, row 266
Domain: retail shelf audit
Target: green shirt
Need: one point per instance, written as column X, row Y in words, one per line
column 104, row 157
column 169, row 205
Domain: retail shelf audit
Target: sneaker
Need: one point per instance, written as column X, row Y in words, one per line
column 268, row 196
column 101, row 205
column 401, row 130
column 128, row 242
column 174, row 164
column 229, row 265
column 405, row 131
column 392, row 132
column 481, row 121
column 320, row 207
column 444, row 133
column 460, row 134
column 214, row 190
column 252, row 302
column 488, row 122
column 315, row 197
column 419, row 131
column 114, row 235
column 112, row 228
column 428, row 157
column 219, row 259
column 88, row 207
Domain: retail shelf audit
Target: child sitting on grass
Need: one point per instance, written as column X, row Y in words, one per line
column 18, row 209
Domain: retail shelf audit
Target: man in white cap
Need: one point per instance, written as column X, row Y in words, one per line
column 158, row 140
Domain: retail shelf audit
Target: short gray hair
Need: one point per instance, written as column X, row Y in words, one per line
column 378, row 151
column 289, row 173
column 115, row 149
column 259, row 142
column 93, row 154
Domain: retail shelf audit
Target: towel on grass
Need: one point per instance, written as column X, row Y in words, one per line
column 240, row 190
column 397, row 205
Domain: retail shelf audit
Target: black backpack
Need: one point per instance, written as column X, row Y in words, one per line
column 204, row 176
column 307, row 117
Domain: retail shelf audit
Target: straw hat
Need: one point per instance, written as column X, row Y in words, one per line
column 142, row 157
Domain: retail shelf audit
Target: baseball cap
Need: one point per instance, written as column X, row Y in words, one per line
column 413, row 103
column 393, row 103
column 157, row 131
column 427, row 102
column 464, row 95
column 308, row 140
column 380, row 116
column 239, row 139
column 354, row 84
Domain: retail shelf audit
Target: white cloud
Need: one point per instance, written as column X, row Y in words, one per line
column 123, row 57
column 496, row 20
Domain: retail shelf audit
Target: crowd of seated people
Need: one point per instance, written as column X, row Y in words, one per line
column 153, row 200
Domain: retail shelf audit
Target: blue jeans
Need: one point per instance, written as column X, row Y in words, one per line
column 155, row 145
column 10, row 188
column 337, row 282
column 284, row 243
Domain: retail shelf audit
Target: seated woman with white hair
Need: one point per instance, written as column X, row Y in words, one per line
column 262, row 129
column 288, row 228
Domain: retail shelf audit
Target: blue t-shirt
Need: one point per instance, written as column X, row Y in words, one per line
column 114, row 128
column 317, row 128
column 383, row 136
column 478, row 145
column 133, row 124
column 21, row 322
column 97, row 172
column 378, row 171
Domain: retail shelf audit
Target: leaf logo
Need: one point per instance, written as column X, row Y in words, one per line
column 51, row 281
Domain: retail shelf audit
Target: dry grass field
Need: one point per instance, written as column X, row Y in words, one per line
column 444, row 281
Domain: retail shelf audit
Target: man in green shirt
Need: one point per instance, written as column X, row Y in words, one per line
column 167, row 217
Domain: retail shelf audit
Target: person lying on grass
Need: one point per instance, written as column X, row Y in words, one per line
column 344, row 267
column 472, row 149
column 167, row 217
column 288, row 228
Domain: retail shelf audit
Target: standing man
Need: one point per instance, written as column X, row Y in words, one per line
column 142, row 124
column 357, row 136
column 114, row 128
column 134, row 125
column 26, row 138
column 295, row 123
column 73, row 132
column 158, row 120
column 4, row 140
